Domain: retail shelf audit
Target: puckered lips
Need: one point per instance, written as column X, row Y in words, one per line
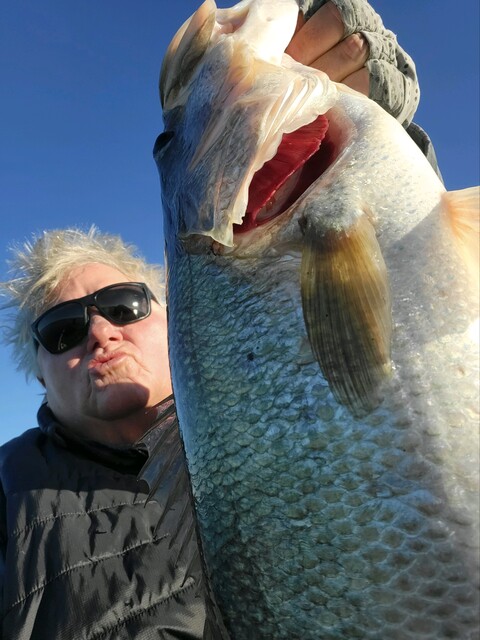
column 302, row 156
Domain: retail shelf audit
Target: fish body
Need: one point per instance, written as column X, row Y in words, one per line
column 323, row 351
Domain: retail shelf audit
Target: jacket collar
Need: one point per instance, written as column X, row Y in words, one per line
column 126, row 458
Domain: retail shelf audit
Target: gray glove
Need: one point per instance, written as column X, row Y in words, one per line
column 393, row 79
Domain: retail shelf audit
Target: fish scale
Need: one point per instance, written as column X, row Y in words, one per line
column 324, row 516
column 325, row 363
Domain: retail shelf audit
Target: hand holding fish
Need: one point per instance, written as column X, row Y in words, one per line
column 348, row 41
column 321, row 43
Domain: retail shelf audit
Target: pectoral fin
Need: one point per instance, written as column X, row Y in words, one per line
column 346, row 307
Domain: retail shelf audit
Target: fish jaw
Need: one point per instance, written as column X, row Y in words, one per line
column 242, row 99
column 265, row 25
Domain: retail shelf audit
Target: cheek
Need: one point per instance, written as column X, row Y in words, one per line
column 154, row 328
column 153, row 344
column 44, row 366
column 155, row 347
column 56, row 371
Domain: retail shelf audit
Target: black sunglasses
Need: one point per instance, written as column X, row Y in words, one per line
column 65, row 325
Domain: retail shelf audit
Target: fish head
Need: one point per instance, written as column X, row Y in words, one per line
column 231, row 99
column 249, row 134
column 264, row 157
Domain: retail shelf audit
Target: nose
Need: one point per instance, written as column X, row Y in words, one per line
column 101, row 331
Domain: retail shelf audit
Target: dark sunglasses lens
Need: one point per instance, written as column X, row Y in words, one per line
column 62, row 328
column 124, row 304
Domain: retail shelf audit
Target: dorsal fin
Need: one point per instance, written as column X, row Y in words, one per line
column 463, row 212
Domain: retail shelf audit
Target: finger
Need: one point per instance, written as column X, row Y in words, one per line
column 345, row 58
column 300, row 23
column 319, row 34
column 359, row 80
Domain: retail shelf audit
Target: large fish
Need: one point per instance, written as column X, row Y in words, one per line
column 322, row 303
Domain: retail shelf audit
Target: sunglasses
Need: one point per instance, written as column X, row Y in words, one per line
column 65, row 325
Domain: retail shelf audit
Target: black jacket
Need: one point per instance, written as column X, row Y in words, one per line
column 84, row 555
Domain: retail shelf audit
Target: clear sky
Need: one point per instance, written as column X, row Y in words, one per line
column 79, row 114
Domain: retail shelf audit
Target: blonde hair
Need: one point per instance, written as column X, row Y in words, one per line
column 38, row 267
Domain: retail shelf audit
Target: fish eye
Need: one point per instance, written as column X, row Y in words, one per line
column 161, row 142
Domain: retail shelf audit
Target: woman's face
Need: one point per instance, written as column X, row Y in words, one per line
column 104, row 387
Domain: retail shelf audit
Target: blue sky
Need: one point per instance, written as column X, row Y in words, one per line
column 80, row 113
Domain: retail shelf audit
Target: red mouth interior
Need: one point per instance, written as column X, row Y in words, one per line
column 301, row 158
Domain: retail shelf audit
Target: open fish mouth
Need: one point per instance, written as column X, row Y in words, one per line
column 246, row 128
column 301, row 158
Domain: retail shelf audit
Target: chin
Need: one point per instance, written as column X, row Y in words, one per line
column 121, row 401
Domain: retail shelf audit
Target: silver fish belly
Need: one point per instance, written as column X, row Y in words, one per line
column 324, row 359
